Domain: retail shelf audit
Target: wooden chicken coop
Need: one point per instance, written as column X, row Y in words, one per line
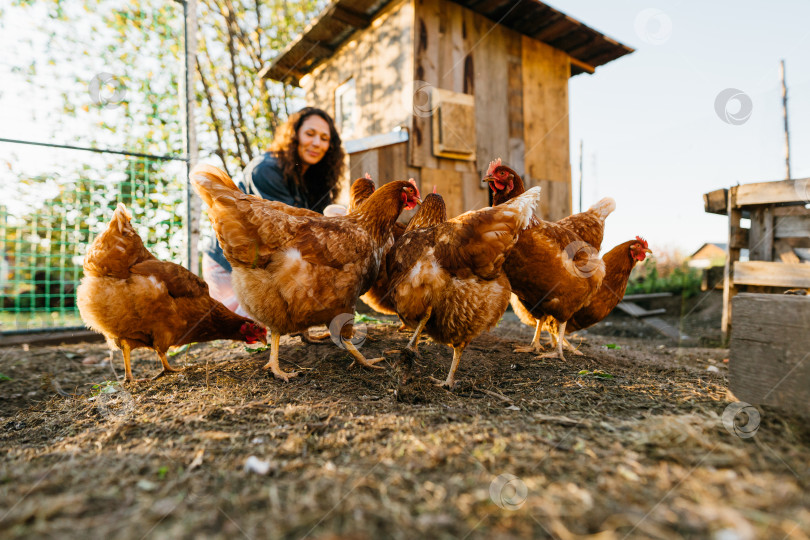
column 768, row 330
column 435, row 89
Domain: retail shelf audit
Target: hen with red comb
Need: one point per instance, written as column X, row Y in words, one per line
column 292, row 272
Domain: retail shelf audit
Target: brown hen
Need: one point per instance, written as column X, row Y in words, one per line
column 136, row 300
column 293, row 272
column 446, row 279
column 552, row 270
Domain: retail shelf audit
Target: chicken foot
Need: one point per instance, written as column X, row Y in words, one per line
column 167, row 368
column 275, row 337
column 535, row 346
column 566, row 344
column 559, row 352
column 450, row 382
column 359, row 358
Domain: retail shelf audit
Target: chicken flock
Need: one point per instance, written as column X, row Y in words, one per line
column 449, row 278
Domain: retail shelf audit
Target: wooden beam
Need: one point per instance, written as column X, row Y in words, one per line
column 716, row 202
column 783, row 252
column 634, row 310
column 729, row 290
column 646, row 296
column 773, row 192
column 56, row 337
column 771, row 274
column 315, row 48
column 761, row 234
column 768, row 362
column 665, row 328
column 739, row 238
column 349, row 16
column 587, row 68
column 798, row 210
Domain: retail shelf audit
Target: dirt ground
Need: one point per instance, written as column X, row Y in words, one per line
column 520, row 448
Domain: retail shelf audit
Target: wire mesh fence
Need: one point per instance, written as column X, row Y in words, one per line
column 48, row 220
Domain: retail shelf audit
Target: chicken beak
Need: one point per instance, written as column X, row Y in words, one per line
column 647, row 250
column 417, row 199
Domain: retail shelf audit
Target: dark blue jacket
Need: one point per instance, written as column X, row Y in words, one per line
column 264, row 178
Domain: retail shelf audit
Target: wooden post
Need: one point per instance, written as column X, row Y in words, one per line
column 785, row 115
column 193, row 203
column 734, row 246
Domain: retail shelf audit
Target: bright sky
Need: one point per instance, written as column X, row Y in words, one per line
column 652, row 137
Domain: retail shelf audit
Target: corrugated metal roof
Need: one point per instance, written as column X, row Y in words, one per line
column 588, row 48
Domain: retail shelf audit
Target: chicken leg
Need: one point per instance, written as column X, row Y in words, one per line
column 535, row 346
column 559, row 352
column 167, row 368
column 555, row 335
column 450, row 382
column 413, row 344
column 359, row 358
column 126, row 350
column 275, row 337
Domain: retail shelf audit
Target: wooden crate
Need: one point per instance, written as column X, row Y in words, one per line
column 769, row 362
column 779, row 233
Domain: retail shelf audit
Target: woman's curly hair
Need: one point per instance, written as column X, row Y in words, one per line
column 320, row 183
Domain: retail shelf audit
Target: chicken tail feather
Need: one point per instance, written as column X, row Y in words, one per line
column 603, row 208
column 525, row 205
column 207, row 179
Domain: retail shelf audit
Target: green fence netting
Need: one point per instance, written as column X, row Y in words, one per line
column 47, row 222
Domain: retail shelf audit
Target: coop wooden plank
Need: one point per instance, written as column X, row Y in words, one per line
column 771, row 192
column 545, row 121
column 517, row 144
column 426, row 76
column 475, row 195
column 392, row 163
column 771, row 274
column 361, row 163
column 770, row 351
column 448, row 184
column 716, row 202
column 491, row 86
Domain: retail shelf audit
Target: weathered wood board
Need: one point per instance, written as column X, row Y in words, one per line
column 716, row 202
column 769, row 360
column 771, row 274
column 784, row 191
